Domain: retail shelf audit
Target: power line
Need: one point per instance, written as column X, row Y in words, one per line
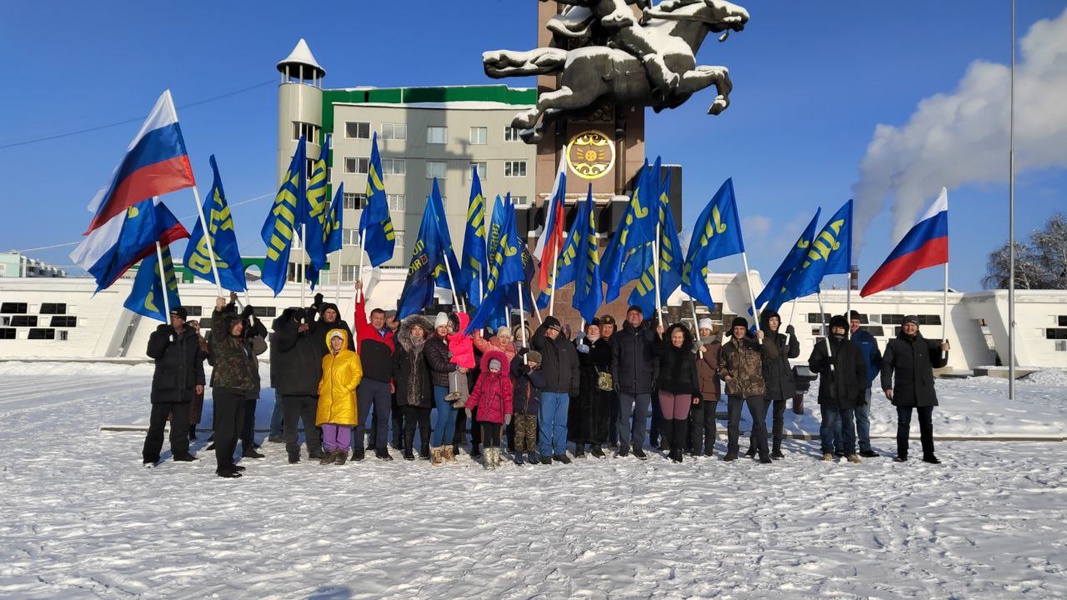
column 134, row 120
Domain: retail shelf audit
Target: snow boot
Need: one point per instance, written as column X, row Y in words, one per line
column 436, row 458
column 449, row 454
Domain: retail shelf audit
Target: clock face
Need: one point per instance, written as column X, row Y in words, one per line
column 590, row 155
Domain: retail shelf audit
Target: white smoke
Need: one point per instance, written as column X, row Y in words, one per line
column 962, row 137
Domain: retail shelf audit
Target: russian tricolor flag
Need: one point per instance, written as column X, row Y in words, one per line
column 551, row 240
column 925, row 245
column 155, row 163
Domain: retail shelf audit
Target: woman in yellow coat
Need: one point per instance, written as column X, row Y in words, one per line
column 336, row 413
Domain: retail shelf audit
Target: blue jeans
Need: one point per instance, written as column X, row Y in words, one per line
column 276, row 417
column 445, row 427
column 757, row 409
column 863, row 423
column 636, row 406
column 834, row 418
column 552, row 433
column 373, row 393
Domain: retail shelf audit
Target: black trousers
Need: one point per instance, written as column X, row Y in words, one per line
column 757, row 408
column 300, row 408
column 459, row 438
column 229, row 418
column 926, row 429
column 248, row 427
column 416, row 416
column 491, row 434
column 702, row 426
column 179, row 430
column 777, row 423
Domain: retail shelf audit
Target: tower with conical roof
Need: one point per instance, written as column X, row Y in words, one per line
column 299, row 105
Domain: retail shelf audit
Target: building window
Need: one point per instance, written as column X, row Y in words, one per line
column 24, row 321
column 196, row 311
column 483, row 170
column 14, row 308
column 265, row 312
column 1062, row 320
column 355, row 130
column 511, row 134
column 349, row 272
column 1060, row 346
column 515, row 168
column 436, row 135
column 42, row 334
column 399, row 236
column 398, row 202
column 309, row 131
column 1050, row 334
column 353, row 201
column 62, row 334
column 53, row 308
column 62, row 321
column 436, row 169
column 479, row 135
column 350, row 237
column 7, row 334
column 356, row 166
column 394, row 166
column 520, row 201
column 394, row 131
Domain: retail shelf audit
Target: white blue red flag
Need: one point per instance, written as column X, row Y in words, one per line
column 925, row 245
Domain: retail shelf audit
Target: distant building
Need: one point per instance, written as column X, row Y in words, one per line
column 16, row 264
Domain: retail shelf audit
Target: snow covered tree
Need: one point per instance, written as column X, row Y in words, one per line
column 1039, row 265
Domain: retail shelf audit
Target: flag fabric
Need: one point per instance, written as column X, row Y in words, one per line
column 496, row 224
column 333, row 233
column 442, row 278
column 427, row 263
column 475, row 267
column 830, row 253
column 717, row 233
column 155, row 163
column 550, row 243
column 773, row 289
column 146, row 295
column 670, row 258
column 142, row 225
column 375, row 224
column 629, row 252
column 565, row 271
column 925, row 245
column 223, row 241
column 314, row 217
column 507, row 268
column 588, row 292
column 283, row 219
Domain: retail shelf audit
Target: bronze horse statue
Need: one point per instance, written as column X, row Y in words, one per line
column 674, row 29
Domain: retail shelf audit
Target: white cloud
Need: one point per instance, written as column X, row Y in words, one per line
column 755, row 227
column 962, row 137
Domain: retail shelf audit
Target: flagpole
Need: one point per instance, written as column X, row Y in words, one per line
column 552, row 296
column 522, row 322
column 456, row 300
column 655, row 273
column 207, row 238
column 1011, row 217
column 944, row 307
column 822, row 327
column 362, row 253
column 696, row 325
column 751, row 297
column 303, row 260
column 163, row 280
column 792, row 313
column 337, row 282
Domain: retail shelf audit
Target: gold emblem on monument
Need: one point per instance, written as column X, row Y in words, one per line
column 590, row 155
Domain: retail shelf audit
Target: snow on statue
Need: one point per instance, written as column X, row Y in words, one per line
column 615, row 58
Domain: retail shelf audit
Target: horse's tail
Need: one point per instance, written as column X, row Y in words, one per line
column 509, row 63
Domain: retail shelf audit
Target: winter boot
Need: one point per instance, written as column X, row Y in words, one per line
column 329, row 457
column 494, row 457
column 436, row 458
column 449, row 454
column 342, row 458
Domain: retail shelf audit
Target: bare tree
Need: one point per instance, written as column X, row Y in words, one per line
column 1039, row 265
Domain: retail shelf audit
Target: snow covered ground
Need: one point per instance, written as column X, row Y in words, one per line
column 80, row 518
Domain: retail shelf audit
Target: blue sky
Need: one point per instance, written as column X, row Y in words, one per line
column 815, row 83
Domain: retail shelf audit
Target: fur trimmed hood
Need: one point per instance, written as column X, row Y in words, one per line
column 403, row 335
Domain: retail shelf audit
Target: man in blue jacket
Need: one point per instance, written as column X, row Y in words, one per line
column 872, row 357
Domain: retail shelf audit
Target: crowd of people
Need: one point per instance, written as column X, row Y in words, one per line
column 439, row 390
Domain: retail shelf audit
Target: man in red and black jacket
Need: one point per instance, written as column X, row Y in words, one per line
column 375, row 350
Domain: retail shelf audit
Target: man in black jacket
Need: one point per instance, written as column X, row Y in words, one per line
column 178, row 377
column 559, row 363
column 777, row 349
column 841, row 375
column 908, row 381
column 633, row 370
column 295, row 378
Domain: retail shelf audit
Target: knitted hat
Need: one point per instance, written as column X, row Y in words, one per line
column 494, row 364
column 705, row 323
column 533, row 356
column 739, row 322
column 910, row 319
column 179, row 311
column 441, row 320
column 504, row 332
column 336, row 334
column 839, row 321
column 855, row 316
column 553, row 323
column 634, row 307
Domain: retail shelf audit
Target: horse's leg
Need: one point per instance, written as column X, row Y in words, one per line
column 704, row 76
column 512, row 63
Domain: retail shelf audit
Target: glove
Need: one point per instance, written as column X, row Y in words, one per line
column 469, row 414
column 248, row 312
column 582, row 348
column 507, row 419
column 790, row 330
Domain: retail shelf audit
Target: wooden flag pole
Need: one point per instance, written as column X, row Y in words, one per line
column 751, row 297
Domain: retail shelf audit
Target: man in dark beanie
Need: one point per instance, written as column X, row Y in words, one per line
column 632, row 371
column 560, row 368
column 841, row 375
column 778, row 348
column 178, row 378
column 908, row 380
column 872, row 358
column 741, row 367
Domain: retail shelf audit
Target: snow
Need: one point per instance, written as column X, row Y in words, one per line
column 80, row 518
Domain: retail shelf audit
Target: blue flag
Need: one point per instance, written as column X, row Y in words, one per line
column 776, row 285
column 670, row 258
column 496, row 224
column 284, row 216
column 222, row 238
column 315, row 219
column 717, row 233
column 145, row 223
column 627, row 256
column 335, row 221
column 375, row 224
column 475, row 267
column 438, row 203
column 588, row 293
column 830, row 253
column 427, row 262
column 146, row 295
column 507, row 268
